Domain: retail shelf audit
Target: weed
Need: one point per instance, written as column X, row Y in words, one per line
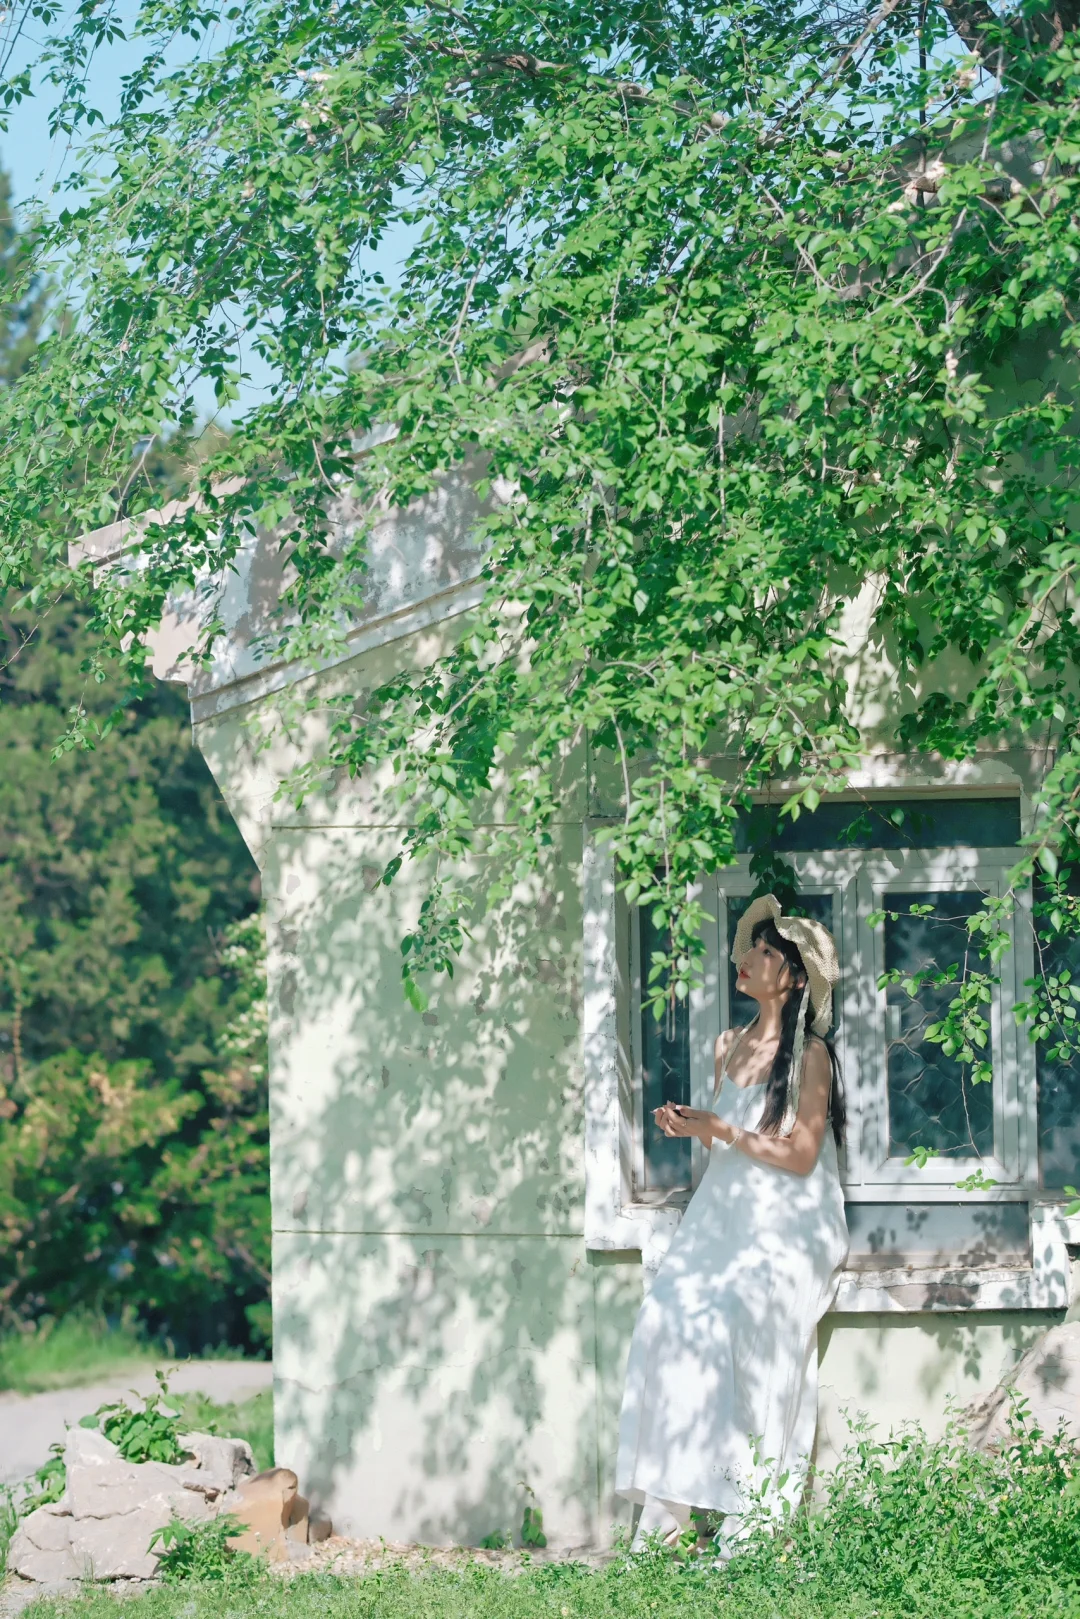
column 532, row 1528
column 498, row 1541
column 149, row 1435
column 9, row 1522
column 532, row 1522
column 201, row 1551
column 51, row 1481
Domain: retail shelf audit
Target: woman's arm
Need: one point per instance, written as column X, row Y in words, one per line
column 797, row 1152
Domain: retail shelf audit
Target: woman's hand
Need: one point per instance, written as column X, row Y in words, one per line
column 692, row 1121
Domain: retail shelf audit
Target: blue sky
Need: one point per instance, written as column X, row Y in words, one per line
column 36, row 161
column 31, row 157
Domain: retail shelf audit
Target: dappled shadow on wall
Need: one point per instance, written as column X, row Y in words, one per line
column 434, row 1314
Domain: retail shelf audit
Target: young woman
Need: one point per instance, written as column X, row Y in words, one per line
column 720, row 1404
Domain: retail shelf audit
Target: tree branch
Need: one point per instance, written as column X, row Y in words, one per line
column 977, row 26
column 989, row 36
column 532, row 66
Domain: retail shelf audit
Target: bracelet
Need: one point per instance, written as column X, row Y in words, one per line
column 736, row 1138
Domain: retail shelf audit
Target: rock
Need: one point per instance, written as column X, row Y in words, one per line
column 263, row 1504
column 100, row 1484
column 228, row 1462
column 1047, row 1378
column 119, row 1548
column 111, row 1508
column 40, row 1548
column 296, row 1525
column 16, row 1594
column 319, row 1527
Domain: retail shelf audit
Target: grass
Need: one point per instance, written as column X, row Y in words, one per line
column 82, row 1347
column 907, row 1529
column 77, row 1348
column 638, row 1589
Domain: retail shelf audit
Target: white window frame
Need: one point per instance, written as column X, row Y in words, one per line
column 1014, row 1163
column 615, row 1220
column 705, row 1020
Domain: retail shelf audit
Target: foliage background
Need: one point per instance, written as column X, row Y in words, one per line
column 133, row 1131
column 133, row 1152
column 133, row 1156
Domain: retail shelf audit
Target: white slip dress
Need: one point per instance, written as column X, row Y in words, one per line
column 719, row 1410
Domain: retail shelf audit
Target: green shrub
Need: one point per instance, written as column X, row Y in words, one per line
column 934, row 1527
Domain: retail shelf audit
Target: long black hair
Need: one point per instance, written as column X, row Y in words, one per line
column 778, row 1084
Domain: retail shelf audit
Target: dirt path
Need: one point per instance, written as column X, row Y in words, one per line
column 30, row 1423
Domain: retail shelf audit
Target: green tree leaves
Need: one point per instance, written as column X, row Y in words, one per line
column 727, row 310
column 133, row 1148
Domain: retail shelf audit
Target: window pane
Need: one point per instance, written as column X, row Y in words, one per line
column 819, row 907
column 893, row 823
column 1059, row 1120
column 1059, row 1089
column 932, row 1102
column 665, row 1077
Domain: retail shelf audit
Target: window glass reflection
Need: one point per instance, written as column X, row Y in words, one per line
column 665, row 1076
column 1058, row 1081
column 932, row 1100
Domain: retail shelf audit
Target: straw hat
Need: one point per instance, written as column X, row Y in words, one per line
column 813, row 941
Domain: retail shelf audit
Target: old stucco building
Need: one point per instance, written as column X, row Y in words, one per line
column 466, row 1205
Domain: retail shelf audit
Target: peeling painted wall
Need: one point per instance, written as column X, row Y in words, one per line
column 442, row 1338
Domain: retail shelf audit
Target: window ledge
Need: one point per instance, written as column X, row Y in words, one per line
column 906, row 1290
column 645, row 1201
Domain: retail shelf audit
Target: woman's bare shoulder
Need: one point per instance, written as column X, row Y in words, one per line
column 818, row 1064
column 724, row 1042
